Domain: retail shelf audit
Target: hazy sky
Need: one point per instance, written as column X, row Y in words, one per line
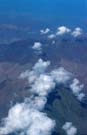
column 70, row 12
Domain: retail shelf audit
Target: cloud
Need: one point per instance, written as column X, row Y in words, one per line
column 47, row 30
column 60, row 75
column 38, row 103
column 53, row 42
column 41, row 66
column 80, row 96
column 26, row 120
column 43, row 85
column 76, row 88
column 77, row 32
column 51, row 36
column 24, row 74
column 63, row 30
column 60, row 31
column 69, row 128
column 28, row 117
column 37, row 46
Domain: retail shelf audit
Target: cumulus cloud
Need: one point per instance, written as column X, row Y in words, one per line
column 76, row 88
column 60, row 75
column 47, row 30
column 26, row 120
column 43, row 85
column 65, row 30
column 28, row 117
column 69, row 128
column 77, row 32
column 62, row 30
column 41, row 66
column 37, row 46
column 38, row 103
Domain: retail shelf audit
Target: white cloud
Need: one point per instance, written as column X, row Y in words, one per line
column 76, row 88
column 17, row 119
column 72, row 131
column 26, row 120
column 77, row 32
column 47, row 30
column 60, row 75
column 67, row 125
column 28, row 117
column 24, row 74
column 65, row 30
column 37, row 46
column 43, row 85
column 41, row 66
column 52, row 36
column 69, row 128
column 62, row 30
column 80, row 96
column 38, row 103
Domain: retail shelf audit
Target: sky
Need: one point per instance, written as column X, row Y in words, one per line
column 44, row 12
